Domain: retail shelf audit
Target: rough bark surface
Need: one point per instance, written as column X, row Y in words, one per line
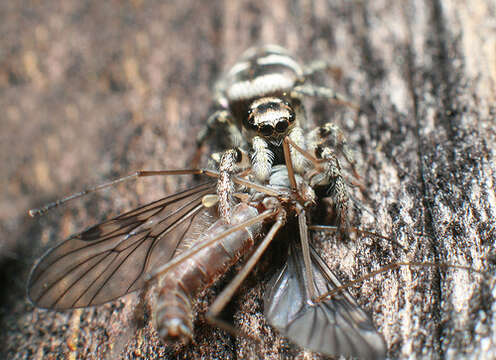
column 93, row 90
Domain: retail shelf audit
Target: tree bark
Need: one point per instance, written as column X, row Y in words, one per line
column 95, row 90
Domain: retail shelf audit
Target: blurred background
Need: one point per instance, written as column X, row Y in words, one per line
column 92, row 90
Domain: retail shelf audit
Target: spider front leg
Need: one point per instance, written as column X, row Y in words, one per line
column 231, row 162
column 308, row 89
column 330, row 175
column 262, row 156
column 327, row 172
column 220, row 122
column 326, row 142
column 321, row 66
column 299, row 162
column 330, row 135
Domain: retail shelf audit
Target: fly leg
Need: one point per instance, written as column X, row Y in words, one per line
column 359, row 232
column 328, row 295
column 302, row 225
column 225, row 296
column 302, row 221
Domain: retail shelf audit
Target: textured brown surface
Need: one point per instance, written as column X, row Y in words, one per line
column 92, row 90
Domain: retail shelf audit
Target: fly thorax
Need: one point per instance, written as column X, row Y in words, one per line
column 271, row 118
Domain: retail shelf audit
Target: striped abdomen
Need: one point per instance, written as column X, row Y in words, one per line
column 261, row 72
column 181, row 284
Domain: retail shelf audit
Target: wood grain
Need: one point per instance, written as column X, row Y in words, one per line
column 91, row 91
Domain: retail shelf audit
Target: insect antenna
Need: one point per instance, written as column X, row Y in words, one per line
column 138, row 174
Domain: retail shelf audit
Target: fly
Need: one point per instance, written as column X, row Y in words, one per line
column 159, row 243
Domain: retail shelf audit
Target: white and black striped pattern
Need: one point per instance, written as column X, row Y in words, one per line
column 260, row 72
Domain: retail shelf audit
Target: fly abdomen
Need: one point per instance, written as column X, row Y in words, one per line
column 185, row 281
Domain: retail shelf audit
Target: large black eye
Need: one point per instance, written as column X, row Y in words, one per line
column 266, row 130
column 248, row 123
column 281, row 126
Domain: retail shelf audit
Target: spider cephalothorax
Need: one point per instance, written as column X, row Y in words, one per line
column 271, row 118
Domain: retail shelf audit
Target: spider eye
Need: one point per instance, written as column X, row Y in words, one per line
column 281, row 126
column 291, row 117
column 318, row 152
column 266, row 130
column 249, row 124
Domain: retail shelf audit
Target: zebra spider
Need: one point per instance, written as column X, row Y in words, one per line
column 260, row 101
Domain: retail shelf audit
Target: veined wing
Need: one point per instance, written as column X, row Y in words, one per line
column 332, row 327
column 110, row 259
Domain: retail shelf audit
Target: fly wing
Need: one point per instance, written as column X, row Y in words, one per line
column 332, row 327
column 110, row 259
